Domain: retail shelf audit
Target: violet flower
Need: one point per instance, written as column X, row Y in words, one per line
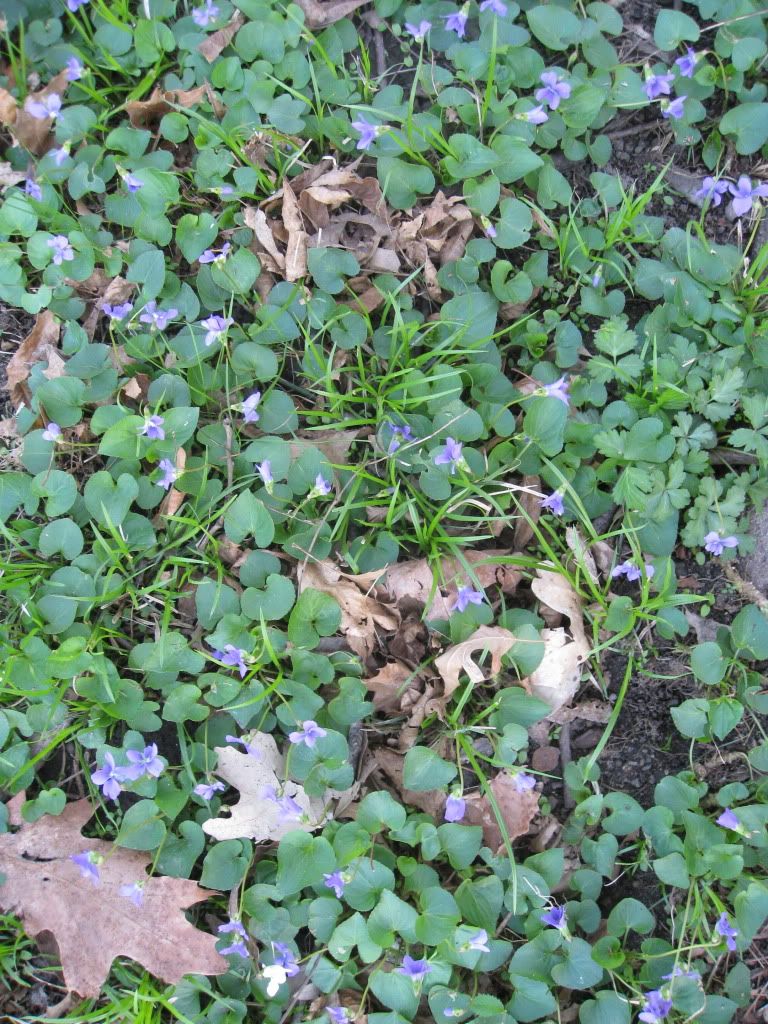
column 457, row 22
column 489, row 229
column 134, row 892
column 631, row 571
column 170, row 474
column 157, row 318
column 288, row 809
column 536, row 115
column 744, row 194
column 559, row 390
column 216, row 327
column 203, row 16
column 109, row 777
column 52, row 432
column 249, row 406
column 88, row 864
column 479, row 942
column 450, row 455
column 144, row 762
column 206, row 790
column 153, row 428
column 554, row 504
column 716, row 545
column 321, row 488
column 399, row 434
column 309, row 734
column 368, row 133
column 729, row 820
column 264, row 469
column 496, row 6
column 417, row 970
column 276, row 976
column 658, row 85
column 656, row 1008
column 74, row 69
column 119, row 312
column 678, row 972
column 285, row 957
column 132, row 183
column 523, row 782
column 467, row 596
column 336, row 881
column 248, row 747
column 216, row 256
column 711, row 190
column 555, row 918
column 674, row 109
column 48, row 106
column 687, row 63
column 724, row 928
column 419, row 31
column 338, row 1014
column 62, row 250
column 237, row 946
column 553, row 90
column 455, row 808
column 75, row 5
column 33, row 190
column 59, row 155
column 233, row 657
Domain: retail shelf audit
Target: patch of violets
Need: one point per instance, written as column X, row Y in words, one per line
column 110, row 777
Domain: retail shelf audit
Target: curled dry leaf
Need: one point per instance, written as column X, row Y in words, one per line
column 40, row 345
column 517, row 811
column 296, row 246
column 557, row 678
column 322, row 15
column 255, row 816
column 144, row 113
column 217, row 41
column 8, row 108
column 94, row 924
column 361, row 614
column 460, row 658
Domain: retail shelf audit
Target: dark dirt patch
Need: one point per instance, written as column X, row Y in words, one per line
column 15, row 324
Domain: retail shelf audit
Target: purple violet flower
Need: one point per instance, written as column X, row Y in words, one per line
column 153, row 428
column 157, row 318
column 678, row 972
column 467, row 596
column 233, row 657
column 338, row 1014
column 490, row 230
column 249, row 406
column 59, row 155
column 553, row 90
column 368, row 133
column 52, row 432
column 687, row 63
column 336, row 881
column 554, row 504
column 656, row 1008
column 233, row 925
column 555, row 918
column 414, row 969
column 322, row 487
column 133, row 892
column 524, row 782
column 457, row 22
column 119, row 312
column 88, row 864
column 288, row 808
column 144, row 762
column 74, row 69
column 109, row 777
column 455, row 808
column 744, row 194
column 479, row 942
column 536, row 115
column 248, row 747
column 75, row 5
column 216, row 327
column 214, row 255
column 711, row 190
column 132, row 183
column 206, row 790
column 62, row 250
column 48, row 106
column 33, row 190
column 310, row 733
column 450, row 455
column 729, row 820
column 559, row 389
column 203, row 16
column 419, row 32
column 674, row 109
column 724, row 928
column 716, row 545
column 496, row 6
column 170, row 474
column 399, row 434
column 284, row 957
column 631, row 571
column 264, row 469
column 236, row 948
column 658, row 85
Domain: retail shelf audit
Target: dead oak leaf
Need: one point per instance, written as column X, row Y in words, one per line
column 94, row 924
column 461, row 658
column 40, row 345
column 361, row 614
column 322, row 15
column 144, row 113
column 390, row 685
column 217, row 41
column 517, row 810
column 260, row 780
column 558, row 676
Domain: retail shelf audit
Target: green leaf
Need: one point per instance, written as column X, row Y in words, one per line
column 748, row 122
column 379, row 812
column 544, row 423
column 578, row 971
column 606, row 1007
column 315, row 614
column 424, row 770
column 672, row 870
column 749, row 632
column 179, row 853
column 554, row 26
column 302, row 860
column 225, row 864
column 247, row 516
column 329, row 266
column 674, row 27
column 707, row 663
column 142, row 827
column 630, row 915
column 107, row 501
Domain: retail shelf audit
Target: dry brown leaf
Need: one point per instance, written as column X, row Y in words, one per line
column 296, row 247
column 94, row 924
column 361, row 614
column 217, row 41
column 322, row 15
column 518, row 809
column 390, row 685
column 334, row 444
column 557, row 678
column 143, row 113
column 256, row 816
column 36, row 134
column 8, row 108
column 528, row 497
column 391, row 763
column 7, row 174
column 459, row 658
column 38, row 346
column 116, row 291
column 586, row 711
column 256, row 220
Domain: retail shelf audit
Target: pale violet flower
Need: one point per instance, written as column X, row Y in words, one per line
column 455, row 808
column 206, row 790
column 658, row 85
column 233, row 657
column 687, row 63
column 536, row 115
column 144, row 762
column 496, row 6
column 264, row 469
column 724, row 928
column 62, row 250
column 216, row 327
column 75, row 5
column 321, row 488
column 416, row 970
column 632, row 572
column 457, row 21
column 553, row 90
column 479, row 942
column 249, row 407
column 89, row 865
column 336, row 880
column 711, row 190
column 158, row 319
column 33, row 190
column 132, row 183
column 216, row 255
column 203, row 16
column 554, row 504
column 74, row 69
column 523, row 782
column 656, row 1008
column 450, row 455
column 716, row 545
column 52, row 432
column 309, row 734
column 744, row 194
column 467, row 596
column 419, row 32
column 119, row 312
column 674, row 109
column 170, row 474
column 59, row 155
column 153, row 428
column 555, row 918
column 367, row 132
column 133, row 892
column 48, row 106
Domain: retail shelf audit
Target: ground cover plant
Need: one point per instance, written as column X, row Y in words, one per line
column 376, row 444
